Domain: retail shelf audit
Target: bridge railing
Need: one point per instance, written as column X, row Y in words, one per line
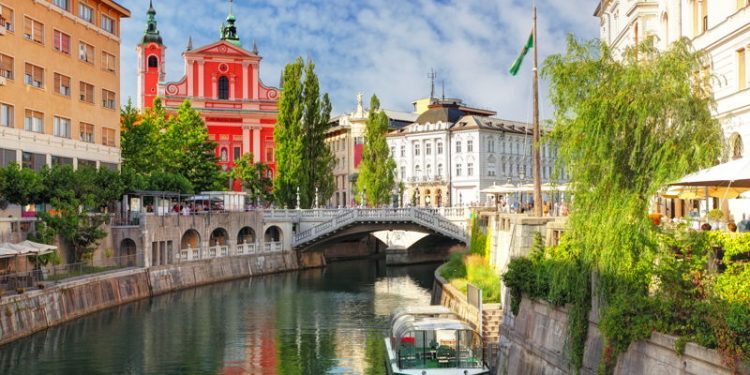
column 428, row 218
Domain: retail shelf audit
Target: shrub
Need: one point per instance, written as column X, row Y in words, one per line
column 454, row 268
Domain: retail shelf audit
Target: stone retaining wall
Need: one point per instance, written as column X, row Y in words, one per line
column 36, row 310
column 534, row 342
column 488, row 323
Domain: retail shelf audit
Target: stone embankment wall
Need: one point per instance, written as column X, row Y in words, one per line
column 534, row 343
column 33, row 311
column 488, row 323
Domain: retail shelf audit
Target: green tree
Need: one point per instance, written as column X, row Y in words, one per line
column 287, row 135
column 172, row 182
column 377, row 171
column 625, row 127
column 80, row 231
column 186, row 149
column 21, row 186
column 317, row 160
column 254, row 177
column 140, row 137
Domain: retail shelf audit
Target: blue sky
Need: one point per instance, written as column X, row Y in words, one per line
column 385, row 47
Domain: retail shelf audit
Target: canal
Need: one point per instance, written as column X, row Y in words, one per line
column 323, row 321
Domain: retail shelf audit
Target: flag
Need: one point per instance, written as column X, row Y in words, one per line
column 517, row 64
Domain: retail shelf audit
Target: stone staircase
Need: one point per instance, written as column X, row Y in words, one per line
column 492, row 316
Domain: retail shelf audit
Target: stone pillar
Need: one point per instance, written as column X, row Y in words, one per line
column 201, row 89
column 255, row 81
column 189, row 76
column 245, row 80
column 232, row 88
column 256, row 144
column 204, row 249
column 245, row 139
column 232, row 247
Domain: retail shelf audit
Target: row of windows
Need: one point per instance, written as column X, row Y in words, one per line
column 237, row 153
column 36, row 161
column 61, row 127
column 88, row 14
column 514, row 146
column 519, row 169
column 35, row 76
column 34, row 30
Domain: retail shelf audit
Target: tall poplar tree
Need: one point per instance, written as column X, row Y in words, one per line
column 287, row 135
column 377, row 171
column 318, row 161
column 303, row 159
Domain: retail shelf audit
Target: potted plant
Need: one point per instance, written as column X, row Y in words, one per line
column 715, row 217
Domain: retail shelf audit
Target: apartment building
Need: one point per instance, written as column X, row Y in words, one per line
column 60, row 82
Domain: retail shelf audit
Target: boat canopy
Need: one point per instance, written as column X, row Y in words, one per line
column 434, row 338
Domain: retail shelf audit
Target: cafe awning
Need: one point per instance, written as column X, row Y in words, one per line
column 8, row 249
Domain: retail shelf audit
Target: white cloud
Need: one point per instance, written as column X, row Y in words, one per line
column 381, row 46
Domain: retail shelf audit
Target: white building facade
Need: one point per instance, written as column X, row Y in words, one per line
column 721, row 28
column 449, row 155
column 346, row 139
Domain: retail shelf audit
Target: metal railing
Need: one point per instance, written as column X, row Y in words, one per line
column 427, row 218
column 12, row 281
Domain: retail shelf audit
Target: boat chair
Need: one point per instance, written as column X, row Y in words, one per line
column 445, row 355
column 407, row 355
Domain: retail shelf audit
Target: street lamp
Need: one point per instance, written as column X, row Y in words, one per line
column 298, row 197
column 316, row 197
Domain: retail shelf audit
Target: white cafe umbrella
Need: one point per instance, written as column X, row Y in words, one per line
column 735, row 173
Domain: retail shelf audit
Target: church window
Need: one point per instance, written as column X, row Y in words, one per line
column 223, row 87
column 153, row 62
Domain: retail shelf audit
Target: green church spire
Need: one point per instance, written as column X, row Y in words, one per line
column 228, row 30
column 151, row 35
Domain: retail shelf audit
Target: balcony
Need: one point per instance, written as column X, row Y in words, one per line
column 426, row 180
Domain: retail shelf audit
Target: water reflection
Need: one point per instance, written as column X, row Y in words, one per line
column 310, row 322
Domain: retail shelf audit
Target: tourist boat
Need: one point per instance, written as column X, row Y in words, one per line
column 430, row 340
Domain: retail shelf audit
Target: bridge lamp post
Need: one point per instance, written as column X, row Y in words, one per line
column 298, row 197
column 316, row 197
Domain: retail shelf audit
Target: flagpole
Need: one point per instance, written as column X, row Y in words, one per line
column 535, row 148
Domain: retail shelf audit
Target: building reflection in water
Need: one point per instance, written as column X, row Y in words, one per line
column 330, row 320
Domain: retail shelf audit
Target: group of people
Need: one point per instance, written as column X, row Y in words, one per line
column 548, row 208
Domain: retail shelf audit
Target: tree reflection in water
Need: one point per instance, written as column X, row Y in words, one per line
column 331, row 320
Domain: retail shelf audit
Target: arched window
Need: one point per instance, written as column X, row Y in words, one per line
column 223, row 154
column 223, row 87
column 736, row 147
column 153, row 62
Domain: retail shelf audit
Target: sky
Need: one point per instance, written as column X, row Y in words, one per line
column 386, row 47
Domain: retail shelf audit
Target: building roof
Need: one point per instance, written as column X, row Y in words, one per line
column 492, row 123
column 124, row 12
column 401, row 116
column 440, row 114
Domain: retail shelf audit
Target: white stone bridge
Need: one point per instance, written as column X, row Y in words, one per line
column 373, row 219
column 171, row 238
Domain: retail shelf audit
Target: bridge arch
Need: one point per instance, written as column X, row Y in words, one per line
column 272, row 234
column 191, row 239
column 218, row 237
column 246, row 235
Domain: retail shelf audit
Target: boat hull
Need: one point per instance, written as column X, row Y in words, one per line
column 391, row 365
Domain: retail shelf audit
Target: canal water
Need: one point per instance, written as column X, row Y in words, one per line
column 323, row 321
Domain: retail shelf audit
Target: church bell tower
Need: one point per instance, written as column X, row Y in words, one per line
column 150, row 62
